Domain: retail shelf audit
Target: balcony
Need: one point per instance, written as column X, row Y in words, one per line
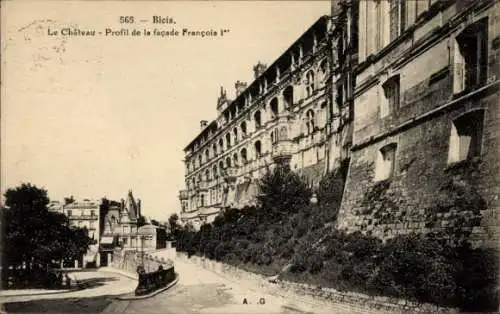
column 282, row 150
column 230, row 174
column 189, row 215
column 183, row 195
column 207, row 211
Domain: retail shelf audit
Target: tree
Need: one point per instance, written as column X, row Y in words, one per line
column 33, row 235
column 282, row 192
column 173, row 226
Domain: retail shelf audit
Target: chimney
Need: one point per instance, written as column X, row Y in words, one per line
column 203, row 124
column 240, row 87
column 259, row 69
column 138, row 207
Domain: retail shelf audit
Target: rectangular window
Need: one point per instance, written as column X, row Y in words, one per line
column 397, row 18
column 379, row 24
column 69, row 212
column 466, row 137
column 470, row 57
column 384, row 167
column 390, row 101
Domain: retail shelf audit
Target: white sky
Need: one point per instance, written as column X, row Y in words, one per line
column 94, row 117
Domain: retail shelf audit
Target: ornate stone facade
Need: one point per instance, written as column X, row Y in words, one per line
column 285, row 115
column 425, row 152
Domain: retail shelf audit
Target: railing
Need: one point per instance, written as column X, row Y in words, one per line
column 149, row 282
column 282, row 148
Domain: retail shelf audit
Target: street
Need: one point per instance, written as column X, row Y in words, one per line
column 198, row 291
column 202, row 291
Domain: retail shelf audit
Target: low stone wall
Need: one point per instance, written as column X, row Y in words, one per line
column 348, row 301
column 152, row 281
column 129, row 261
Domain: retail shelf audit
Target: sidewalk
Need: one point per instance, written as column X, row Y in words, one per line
column 134, row 276
column 26, row 292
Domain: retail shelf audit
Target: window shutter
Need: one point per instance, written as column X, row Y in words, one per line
column 458, row 64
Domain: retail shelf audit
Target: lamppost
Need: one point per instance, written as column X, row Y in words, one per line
column 142, row 250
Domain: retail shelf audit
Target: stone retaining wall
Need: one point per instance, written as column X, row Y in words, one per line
column 345, row 301
column 130, row 260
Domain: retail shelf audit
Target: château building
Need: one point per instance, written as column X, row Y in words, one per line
column 426, row 118
column 122, row 228
column 286, row 115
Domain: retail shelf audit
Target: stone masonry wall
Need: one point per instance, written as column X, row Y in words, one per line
column 129, row 261
column 422, row 179
column 424, row 191
column 337, row 301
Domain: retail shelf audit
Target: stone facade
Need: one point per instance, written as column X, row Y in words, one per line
column 85, row 214
column 121, row 226
column 285, row 116
column 426, row 131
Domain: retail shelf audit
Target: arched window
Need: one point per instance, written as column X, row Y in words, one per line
column 310, row 83
column 310, row 121
column 274, row 107
column 235, row 159
column 228, row 162
column 258, row 149
column 323, row 66
column 288, row 96
column 258, row 122
column 243, row 154
column 214, row 171
column 207, row 175
column 207, row 155
column 214, row 149
column 221, row 145
column 243, row 129
column 235, row 135
column 199, row 160
column 228, row 140
column 283, row 135
column 221, row 166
